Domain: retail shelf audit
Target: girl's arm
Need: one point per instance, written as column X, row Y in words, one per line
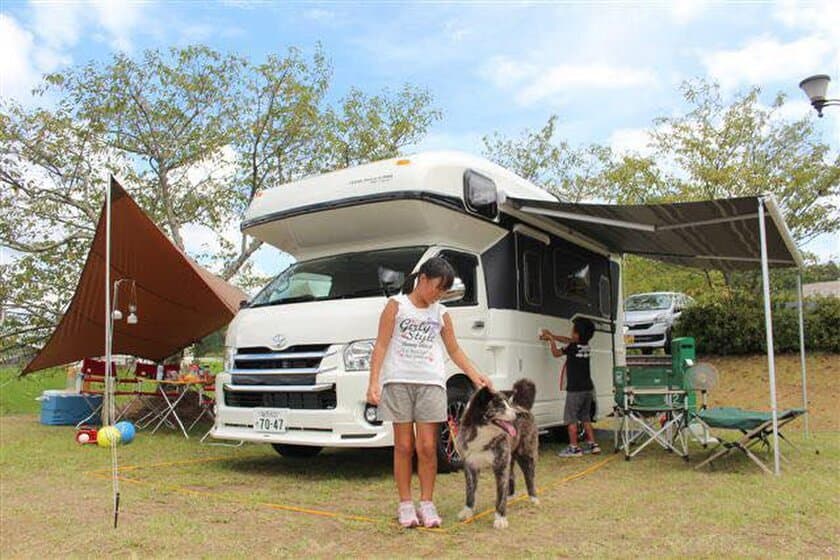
column 459, row 357
column 383, row 338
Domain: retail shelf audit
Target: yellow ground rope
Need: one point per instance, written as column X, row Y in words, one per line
column 296, row 509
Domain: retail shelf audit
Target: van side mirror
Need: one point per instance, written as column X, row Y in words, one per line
column 390, row 280
column 455, row 293
column 243, row 304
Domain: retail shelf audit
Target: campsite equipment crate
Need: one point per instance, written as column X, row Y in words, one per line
column 60, row 408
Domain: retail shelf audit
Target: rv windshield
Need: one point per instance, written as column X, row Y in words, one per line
column 647, row 302
column 351, row 275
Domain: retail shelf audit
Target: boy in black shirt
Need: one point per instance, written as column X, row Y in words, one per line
column 579, row 387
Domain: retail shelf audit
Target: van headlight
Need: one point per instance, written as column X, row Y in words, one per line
column 230, row 352
column 357, row 355
column 661, row 318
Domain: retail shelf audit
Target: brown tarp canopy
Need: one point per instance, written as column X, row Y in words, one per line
column 714, row 234
column 178, row 302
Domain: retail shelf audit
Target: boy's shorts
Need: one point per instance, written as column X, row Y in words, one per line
column 578, row 407
column 412, row 402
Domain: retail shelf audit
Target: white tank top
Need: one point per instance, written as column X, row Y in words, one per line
column 415, row 353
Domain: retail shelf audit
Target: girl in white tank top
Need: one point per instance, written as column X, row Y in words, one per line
column 408, row 381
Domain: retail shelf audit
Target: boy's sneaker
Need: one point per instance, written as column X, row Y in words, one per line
column 593, row 448
column 572, row 451
column 407, row 515
column 428, row 515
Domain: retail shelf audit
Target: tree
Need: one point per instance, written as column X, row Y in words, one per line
column 173, row 112
column 368, row 128
column 718, row 150
column 194, row 134
column 571, row 174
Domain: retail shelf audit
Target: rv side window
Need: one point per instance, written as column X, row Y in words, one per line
column 533, row 277
column 604, row 303
column 465, row 266
column 480, row 194
column 571, row 276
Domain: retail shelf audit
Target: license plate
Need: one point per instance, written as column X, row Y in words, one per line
column 272, row 421
column 629, row 339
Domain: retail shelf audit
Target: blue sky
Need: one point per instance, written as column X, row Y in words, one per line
column 608, row 68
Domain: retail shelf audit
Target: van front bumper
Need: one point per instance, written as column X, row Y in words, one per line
column 650, row 335
column 343, row 425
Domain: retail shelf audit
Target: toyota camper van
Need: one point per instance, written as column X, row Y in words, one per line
column 298, row 354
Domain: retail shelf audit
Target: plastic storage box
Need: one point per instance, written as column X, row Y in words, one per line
column 61, row 408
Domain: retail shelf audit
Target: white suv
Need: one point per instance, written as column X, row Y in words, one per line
column 648, row 319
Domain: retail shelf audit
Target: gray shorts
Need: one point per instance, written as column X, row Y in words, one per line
column 578, row 407
column 412, row 402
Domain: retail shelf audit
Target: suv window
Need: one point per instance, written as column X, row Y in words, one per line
column 465, row 266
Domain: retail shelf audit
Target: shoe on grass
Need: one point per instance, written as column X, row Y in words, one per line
column 407, row 515
column 593, row 448
column 428, row 515
column 571, row 451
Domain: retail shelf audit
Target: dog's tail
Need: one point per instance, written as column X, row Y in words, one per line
column 524, row 394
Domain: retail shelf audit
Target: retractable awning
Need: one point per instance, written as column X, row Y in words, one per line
column 177, row 301
column 715, row 234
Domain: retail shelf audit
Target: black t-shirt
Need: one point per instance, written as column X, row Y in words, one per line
column 578, row 377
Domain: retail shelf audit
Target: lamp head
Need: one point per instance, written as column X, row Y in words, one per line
column 816, row 88
column 132, row 318
column 116, row 315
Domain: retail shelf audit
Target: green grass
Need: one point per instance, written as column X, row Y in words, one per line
column 655, row 505
column 18, row 394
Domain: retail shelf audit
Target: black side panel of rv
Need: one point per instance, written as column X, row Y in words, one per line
column 499, row 264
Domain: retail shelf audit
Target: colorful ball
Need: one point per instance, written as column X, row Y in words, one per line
column 108, row 436
column 126, row 430
column 83, row 438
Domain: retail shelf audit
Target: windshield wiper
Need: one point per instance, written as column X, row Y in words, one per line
column 296, row 299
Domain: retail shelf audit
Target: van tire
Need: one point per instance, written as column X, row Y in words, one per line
column 456, row 401
column 296, row 451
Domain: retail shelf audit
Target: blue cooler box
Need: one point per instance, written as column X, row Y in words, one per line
column 60, row 408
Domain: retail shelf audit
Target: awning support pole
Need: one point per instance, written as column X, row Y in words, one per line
column 768, row 328
column 106, row 405
column 802, row 348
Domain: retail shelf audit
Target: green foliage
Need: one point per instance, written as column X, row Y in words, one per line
column 734, row 324
column 194, row 135
column 570, row 173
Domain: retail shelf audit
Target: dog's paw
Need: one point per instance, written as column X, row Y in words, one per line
column 535, row 500
column 465, row 513
column 500, row 522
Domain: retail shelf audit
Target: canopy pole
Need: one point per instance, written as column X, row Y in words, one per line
column 768, row 331
column 106, row 405
column 802, row 349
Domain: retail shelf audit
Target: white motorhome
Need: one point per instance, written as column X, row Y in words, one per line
column 297, row 356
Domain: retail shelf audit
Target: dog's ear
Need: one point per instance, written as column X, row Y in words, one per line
column 477, row 406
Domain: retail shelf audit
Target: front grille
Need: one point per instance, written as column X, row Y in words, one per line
column 640, row 326
column 648, row 337
column 301, row 359
column 298, row 400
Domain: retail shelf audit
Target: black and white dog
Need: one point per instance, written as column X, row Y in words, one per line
column 496, row 431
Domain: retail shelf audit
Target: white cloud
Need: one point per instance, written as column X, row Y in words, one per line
column 765, row 59
column 686, row 11
column 533, row 83
column 17, row 72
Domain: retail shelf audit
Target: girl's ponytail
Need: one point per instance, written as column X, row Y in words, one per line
column 408, row 285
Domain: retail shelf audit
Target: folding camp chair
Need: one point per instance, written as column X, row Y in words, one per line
column 755, row 427
column 652, row 414
column 93, row 383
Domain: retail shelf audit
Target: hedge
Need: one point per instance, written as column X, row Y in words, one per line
column 734, row 324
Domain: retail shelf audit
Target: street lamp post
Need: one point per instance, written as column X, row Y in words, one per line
column 816, row 87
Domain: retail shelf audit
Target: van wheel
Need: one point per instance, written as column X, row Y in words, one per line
column 296, row 451
column 456, row 402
